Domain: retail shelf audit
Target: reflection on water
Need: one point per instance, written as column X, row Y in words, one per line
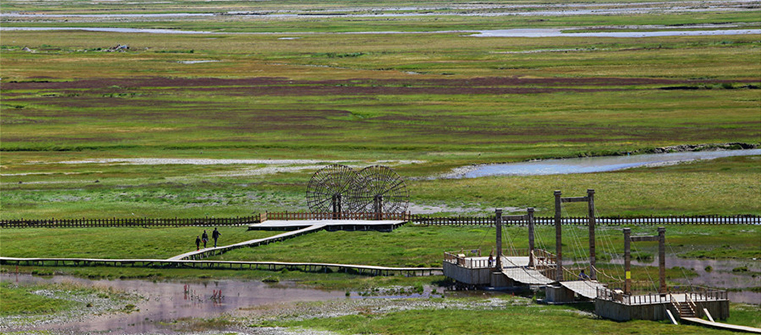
column 716, row 274
column 599, row 164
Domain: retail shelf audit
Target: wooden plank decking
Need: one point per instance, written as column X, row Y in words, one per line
column 724, row 326
column 206, row 252
column 585, row 288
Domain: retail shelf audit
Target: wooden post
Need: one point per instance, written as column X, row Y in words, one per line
column 627, row 274
column 499, row 238
column 378, row 205
column 559, row 262
column 336, row 204
column 591, row 230
column 530, row 219
column 662, row 271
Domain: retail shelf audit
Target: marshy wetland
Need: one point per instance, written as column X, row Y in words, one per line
column 121, row 122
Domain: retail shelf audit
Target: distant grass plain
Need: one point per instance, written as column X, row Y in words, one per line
column 443, row 100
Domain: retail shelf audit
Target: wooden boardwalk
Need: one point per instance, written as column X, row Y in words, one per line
column 206, row 252
column 369, row 270
column 294, row 228
column 585, row 288
column 723, row 326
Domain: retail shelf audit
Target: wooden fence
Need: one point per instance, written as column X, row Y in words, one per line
column 613, row 221
column 420, row 219
column 128, row 222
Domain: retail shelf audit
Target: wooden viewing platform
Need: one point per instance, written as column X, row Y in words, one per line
column 232, row 265
column 329, row 224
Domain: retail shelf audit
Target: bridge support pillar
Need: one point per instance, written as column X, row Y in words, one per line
column 499, row 239
column 559, row 258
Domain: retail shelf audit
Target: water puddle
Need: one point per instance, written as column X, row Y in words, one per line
column 593, row 164
column 197, row 61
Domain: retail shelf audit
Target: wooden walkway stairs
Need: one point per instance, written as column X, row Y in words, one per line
column 688, row 313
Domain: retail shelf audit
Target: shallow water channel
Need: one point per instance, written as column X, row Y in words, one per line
column 597, row 164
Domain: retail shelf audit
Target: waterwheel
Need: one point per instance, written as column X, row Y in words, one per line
column 330, row 188
column 379, row 190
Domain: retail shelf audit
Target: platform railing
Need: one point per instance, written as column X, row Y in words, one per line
column 658, row 298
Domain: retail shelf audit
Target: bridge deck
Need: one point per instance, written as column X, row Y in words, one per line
column 585, row 288
column 526, row 276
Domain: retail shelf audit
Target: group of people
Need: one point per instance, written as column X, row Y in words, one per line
column 205, row 238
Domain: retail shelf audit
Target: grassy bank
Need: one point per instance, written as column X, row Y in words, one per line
column 498, row 316
column 52, row 299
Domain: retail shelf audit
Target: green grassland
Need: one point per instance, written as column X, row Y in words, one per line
column 18, row 301
column 120, row 243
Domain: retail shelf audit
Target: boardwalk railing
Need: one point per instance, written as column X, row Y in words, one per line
column 614, row 221
column 128, row 222
column 368, row 270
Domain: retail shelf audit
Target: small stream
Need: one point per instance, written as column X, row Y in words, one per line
column 596, row 164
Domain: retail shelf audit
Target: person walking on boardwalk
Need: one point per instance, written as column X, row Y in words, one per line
column 215, row 235
column 205, row 238
column 198, row 243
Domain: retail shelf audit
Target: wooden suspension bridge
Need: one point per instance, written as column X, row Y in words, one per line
column 541, row 269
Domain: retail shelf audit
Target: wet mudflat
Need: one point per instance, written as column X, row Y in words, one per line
column 166, row 301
